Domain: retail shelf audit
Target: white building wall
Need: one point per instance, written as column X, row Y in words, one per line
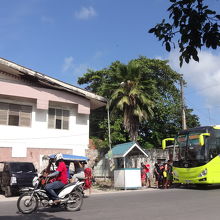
column 39, row 136
column 21, row 86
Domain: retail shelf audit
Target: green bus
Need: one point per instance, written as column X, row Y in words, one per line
column 196, row 155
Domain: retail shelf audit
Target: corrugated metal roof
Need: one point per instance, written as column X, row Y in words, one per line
column 16, row 69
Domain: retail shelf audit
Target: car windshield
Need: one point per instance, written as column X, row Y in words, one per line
column 22, row 167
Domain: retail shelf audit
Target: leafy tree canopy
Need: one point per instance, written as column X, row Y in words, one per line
column 193, row 24
column 133, row 96
column 158, row 81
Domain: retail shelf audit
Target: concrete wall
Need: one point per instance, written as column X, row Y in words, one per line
column 103, row 170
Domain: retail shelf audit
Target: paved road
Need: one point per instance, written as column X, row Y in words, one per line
column 180, row 204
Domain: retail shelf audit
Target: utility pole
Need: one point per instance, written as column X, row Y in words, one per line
column 110, row 156
column 109, row 131
column 182, row 106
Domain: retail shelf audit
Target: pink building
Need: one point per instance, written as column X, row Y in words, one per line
column 40, row 115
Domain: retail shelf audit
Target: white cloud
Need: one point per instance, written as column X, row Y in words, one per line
column 81, row 68
column 68, row 64
column 85, row 13
column 203, row 76
column 76, row 69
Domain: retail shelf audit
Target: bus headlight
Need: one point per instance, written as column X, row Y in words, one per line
column 203, row 173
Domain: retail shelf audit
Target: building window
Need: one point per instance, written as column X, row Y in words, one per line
column 58, row 118
column 15, row 115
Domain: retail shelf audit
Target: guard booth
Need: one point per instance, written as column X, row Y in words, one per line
column 127, row 158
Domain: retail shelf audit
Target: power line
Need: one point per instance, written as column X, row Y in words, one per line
column 204, row 88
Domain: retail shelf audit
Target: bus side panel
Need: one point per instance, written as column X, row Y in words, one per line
column 213, row 168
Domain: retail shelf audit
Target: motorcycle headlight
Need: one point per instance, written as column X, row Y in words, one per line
column 35, row 181
column 13, row 180
column 203, row 173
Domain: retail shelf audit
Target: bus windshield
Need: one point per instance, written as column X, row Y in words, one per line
column 190, row 152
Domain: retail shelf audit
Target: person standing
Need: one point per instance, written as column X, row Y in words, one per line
column 143, row 175
column 169, row 172
column 88, row 179
column 79, row 171
column 157, row 174
column 147, row 171
column 162, row 175
column 60, row 178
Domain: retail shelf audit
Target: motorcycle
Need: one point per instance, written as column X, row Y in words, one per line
column 71, row 197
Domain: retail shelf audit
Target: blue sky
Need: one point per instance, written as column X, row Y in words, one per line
column 63, row 39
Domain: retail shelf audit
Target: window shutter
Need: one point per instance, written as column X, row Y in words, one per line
column 65, row 119
column 51, row 118
column 59, row 114
column 13, row 118
column 4, row 113
column 25, row 116
column 14, row 109
column 58, row 119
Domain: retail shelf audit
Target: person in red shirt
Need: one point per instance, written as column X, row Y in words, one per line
column 147, row 171
column 88, row 179
column 60, row 181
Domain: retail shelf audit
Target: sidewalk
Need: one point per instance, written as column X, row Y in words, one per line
column 95, row 191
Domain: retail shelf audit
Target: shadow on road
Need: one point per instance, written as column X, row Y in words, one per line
column 197, row 187
column 14, row 194
column 33, row 217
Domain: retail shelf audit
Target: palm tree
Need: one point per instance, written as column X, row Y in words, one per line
column 131, row 97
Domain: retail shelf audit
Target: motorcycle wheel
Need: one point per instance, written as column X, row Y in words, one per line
column 25, row 205
column 75, row 201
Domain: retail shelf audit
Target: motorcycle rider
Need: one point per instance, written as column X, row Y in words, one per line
column 60, row 178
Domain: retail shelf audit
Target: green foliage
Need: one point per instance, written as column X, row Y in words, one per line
column 132, row 97
column 152, row 85
column 194, row 25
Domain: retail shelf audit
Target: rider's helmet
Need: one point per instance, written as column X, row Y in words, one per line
column 58, row 157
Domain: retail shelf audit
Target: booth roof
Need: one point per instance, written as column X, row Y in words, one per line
column 121, row 150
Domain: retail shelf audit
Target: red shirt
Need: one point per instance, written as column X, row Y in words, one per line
column 147, row 168
column 62, row 173
column 88, row 180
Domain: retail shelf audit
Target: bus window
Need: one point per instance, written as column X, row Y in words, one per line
column 196, row 152
column 218, row 145
column 181, row 141
column 217, row 135
column 193, row 140
column 214, row 145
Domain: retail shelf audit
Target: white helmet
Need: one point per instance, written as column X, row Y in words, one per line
column 58, row 157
